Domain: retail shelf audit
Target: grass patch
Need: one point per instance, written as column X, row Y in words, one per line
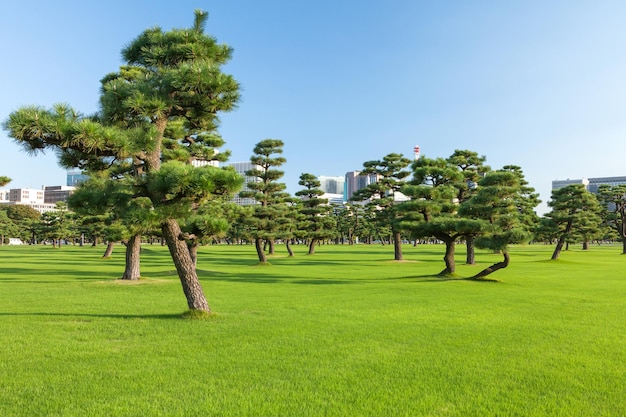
column 198, row 315
column 343, row 333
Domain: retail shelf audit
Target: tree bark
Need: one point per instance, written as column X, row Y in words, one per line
column 397, row 246
column 258, row 244
column 448, row 258
column 470, row 258
column 132, row 270
column 493, row 268
column 193, row 252
column 586, row 245
column 271, row 246
column 194, row 293
column 312, row 246
column 288, row 245
column 561, row 241
column 109, row 250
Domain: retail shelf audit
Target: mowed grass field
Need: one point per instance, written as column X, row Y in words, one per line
column 345, row 332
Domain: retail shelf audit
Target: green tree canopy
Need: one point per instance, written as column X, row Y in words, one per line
column 613, row 198
column 317, row 222
column 574, row 209
column 158, row 113
column 500, row 204
column 390, row 173
column 270, row 212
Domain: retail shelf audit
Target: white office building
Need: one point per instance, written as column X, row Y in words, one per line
column 241, row 168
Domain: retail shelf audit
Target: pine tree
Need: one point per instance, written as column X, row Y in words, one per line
column 265, row 224
column 381, row 194
column 432, row 210
column 317, row 223
column 574, row 209
column 473, row 168
column 614, row 200
column 157, row 114
column 501, row 204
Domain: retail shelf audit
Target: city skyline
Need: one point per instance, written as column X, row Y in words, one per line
column 534, row 84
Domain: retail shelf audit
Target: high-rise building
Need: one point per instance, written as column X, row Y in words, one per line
column 241, row 168
column 356, row 181
column 332, row 185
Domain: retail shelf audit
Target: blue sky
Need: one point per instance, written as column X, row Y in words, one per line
column 539, row 84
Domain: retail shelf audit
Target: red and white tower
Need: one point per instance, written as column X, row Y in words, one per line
column 416, row 152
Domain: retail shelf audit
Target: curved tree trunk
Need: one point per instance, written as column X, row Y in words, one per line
column 288, row 246
column 558, row 248
column 448, row 258
column 397, row 246
column 194, row 293
column 258, row 244
column 561, row 241
column 109, row 250
column 132, row 270
column 494, row 267
column 470, row 259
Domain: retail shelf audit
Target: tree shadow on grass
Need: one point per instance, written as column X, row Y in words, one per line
column 64, row 275
column 438, row 278
column 96, row 316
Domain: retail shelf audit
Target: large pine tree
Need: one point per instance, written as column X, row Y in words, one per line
column 158, row 113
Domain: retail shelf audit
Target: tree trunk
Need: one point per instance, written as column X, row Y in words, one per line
column 109, row 249
column 258, row 244
column 132, row 270
column 586, row 245
column 470, row 258
column 271, row 244
column 194, row 293
column 448, row 258
column 193, row 246
column 561, row 241
column 558, row 248
column 312, row 246
column 624, row 246
column 288, row 245
column 397, row 246
column 494, row 267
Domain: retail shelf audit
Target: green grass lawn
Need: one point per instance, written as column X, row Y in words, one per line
column 345, row 332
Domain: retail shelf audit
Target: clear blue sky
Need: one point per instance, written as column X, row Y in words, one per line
column 539, row 84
